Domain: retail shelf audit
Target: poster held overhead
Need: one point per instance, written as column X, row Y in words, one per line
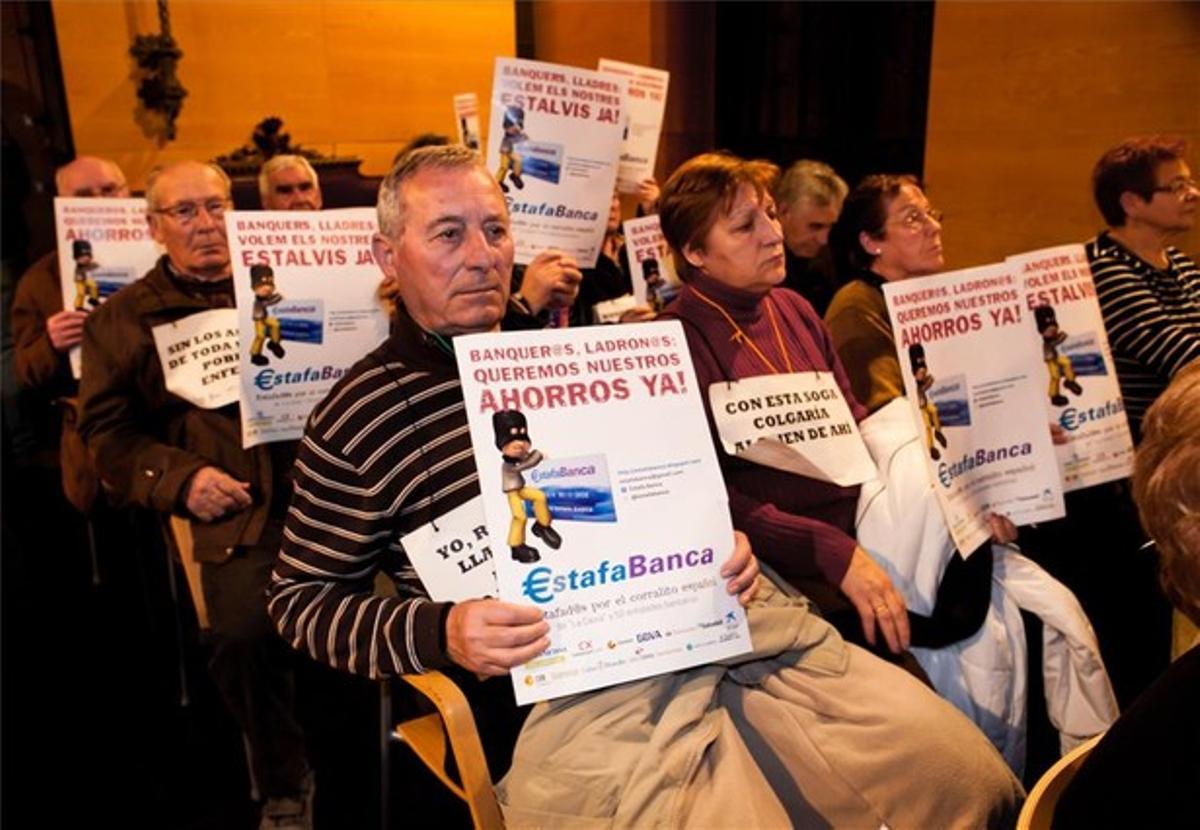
column 613, row 525
column 647, row 104
column 553, row 141
column 466, row 120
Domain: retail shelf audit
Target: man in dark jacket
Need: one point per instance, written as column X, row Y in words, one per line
column 157, row 450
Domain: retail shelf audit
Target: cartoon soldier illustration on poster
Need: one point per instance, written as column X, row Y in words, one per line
column 1057, row 365
column 933, row 422
column 262, row 281
column 510, row 159
column 85, row 263
column 512, row 439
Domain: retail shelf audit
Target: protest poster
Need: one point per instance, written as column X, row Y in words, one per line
column 553, row 142
column 308, row 309
column 975, row 380
column 1081, row 391
column 466, row 120
column 611, row 524
column 798, row 422
column 646, row 103
column 199, row 357
column 103, row 245
column 650, row 264
column 453, row 554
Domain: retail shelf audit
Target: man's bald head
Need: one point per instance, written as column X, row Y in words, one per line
column 89, row 176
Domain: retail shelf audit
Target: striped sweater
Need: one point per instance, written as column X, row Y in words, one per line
column 387, row 451
column 1152, row 317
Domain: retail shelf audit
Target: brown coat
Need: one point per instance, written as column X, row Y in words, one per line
column 148, row 442
column 43, row 373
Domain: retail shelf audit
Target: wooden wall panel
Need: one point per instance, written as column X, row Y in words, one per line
column 347, row 77
column 1024, row 97
column 580, row 32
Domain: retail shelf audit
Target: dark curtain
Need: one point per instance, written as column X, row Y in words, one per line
column 845, row 83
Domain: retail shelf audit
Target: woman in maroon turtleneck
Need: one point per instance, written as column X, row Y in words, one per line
column 719, row 218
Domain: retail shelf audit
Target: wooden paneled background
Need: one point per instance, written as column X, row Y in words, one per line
column 348, row 78
column 1025, row 97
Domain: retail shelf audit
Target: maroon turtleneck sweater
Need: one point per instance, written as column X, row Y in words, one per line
column 802, row 527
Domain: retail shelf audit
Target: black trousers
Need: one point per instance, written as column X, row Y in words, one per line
column 253, row 668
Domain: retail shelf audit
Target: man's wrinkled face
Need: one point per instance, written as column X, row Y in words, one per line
column 292, row 188
column 92, row 177
column 195, row 244
column 452, row 259
column 806, row 226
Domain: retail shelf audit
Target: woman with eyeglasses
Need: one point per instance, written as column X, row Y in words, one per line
column 886, row 232
column 745, row 333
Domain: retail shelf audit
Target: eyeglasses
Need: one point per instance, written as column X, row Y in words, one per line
column 1179, row 187
column 915, row 219
column 186, row 212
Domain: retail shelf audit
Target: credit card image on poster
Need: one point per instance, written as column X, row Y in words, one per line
column 577, row 489
column 541, row 160
column 302, row 321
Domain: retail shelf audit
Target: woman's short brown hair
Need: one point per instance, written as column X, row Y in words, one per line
column 1166, row 487
column 1129, row 168
column 700, row 189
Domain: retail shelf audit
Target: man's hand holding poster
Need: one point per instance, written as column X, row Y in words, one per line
column 553, row 142
column 604, row 503
column 1081, row 392
column 308, row 308
column 103, row 245
column 972, row 375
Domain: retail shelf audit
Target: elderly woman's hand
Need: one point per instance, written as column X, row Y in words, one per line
column 876, row 600
column 741, row 569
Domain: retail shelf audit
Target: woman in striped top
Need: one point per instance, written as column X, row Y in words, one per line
column 1149, row 291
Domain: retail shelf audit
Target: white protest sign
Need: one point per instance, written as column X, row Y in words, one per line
column 453, row 554
column 610, row 311
column 646, row 103
column 103, row 245
column 198, row 355
column 796, row 422
column 615, row 527
column 975, row 381
column 308, row 309
column 553, row 142
column 1082, row 395
column 466, row 120
column 651, row 266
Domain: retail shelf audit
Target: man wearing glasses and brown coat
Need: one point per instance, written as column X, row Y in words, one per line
column 157, row 450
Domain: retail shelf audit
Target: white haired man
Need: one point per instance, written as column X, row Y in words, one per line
column 155, row 450
column 810, row 195
column 287, row 182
